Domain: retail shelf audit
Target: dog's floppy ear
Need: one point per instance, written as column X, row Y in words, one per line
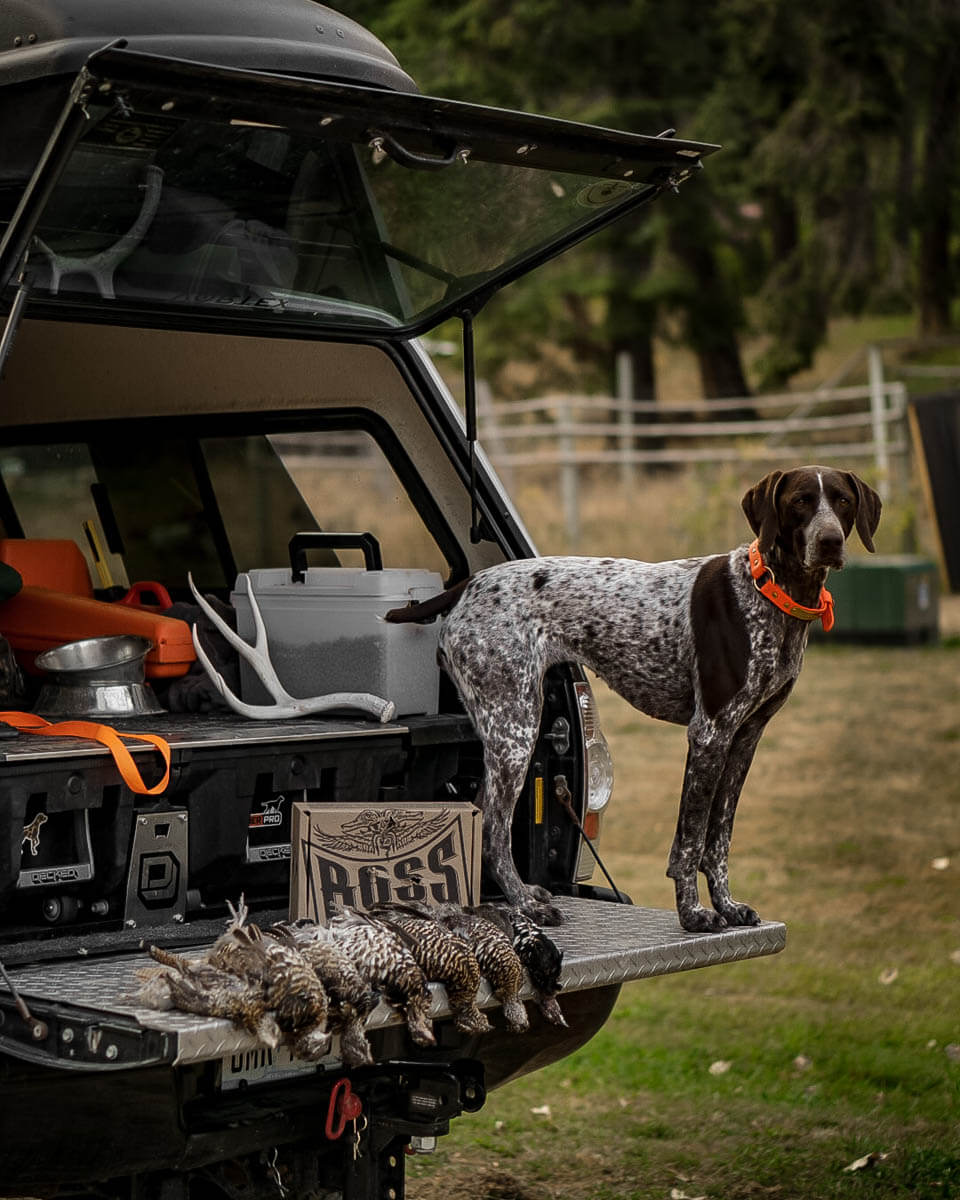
column 868, row 509
column 760, row 508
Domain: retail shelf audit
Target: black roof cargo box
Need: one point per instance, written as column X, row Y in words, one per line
column 43, row 46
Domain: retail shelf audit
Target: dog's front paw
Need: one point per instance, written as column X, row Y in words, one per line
column 739, row 914
column 701, row 920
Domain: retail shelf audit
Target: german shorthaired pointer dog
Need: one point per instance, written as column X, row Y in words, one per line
column 715, row 644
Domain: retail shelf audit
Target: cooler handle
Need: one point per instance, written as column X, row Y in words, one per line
column 316, row 540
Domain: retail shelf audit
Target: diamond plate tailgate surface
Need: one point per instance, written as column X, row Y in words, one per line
column 603, row 944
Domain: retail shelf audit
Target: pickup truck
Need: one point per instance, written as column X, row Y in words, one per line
column 225, row 227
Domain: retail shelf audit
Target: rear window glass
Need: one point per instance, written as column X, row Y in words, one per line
column 211, row 506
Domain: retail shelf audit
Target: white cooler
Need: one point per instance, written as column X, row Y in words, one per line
column 325, row 629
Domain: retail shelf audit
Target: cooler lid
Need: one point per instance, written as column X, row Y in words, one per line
column 392, row 583
column 172, row 188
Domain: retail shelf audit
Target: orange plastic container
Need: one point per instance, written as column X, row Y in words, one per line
column 50, row 562
column 39, row 618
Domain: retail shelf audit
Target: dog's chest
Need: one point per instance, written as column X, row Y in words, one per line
column 776, row 656
column 776, row 641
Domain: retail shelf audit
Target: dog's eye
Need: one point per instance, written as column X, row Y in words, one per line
column 843, row 501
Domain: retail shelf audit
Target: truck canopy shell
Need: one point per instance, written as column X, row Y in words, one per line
column 170, row 186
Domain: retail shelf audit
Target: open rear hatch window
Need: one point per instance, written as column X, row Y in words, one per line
column 170, row 185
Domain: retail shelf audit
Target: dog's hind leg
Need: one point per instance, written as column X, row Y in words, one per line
column 508, row 730
column 506, row 758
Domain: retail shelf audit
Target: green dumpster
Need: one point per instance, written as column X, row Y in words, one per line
column 887, row 598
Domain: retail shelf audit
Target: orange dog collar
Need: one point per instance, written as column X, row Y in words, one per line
column 776, row 595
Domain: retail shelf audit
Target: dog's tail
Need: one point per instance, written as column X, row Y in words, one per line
column 427, row 610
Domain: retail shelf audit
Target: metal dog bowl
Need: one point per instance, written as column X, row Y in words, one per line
column 97, row 677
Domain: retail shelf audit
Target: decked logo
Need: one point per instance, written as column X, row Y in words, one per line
column 55, row 849
column 31, row 833
column 159, row 879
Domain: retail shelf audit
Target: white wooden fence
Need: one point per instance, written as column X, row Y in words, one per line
column 567, row 433
column 564, row 429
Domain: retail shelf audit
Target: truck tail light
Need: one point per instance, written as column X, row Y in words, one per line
column 599, row 764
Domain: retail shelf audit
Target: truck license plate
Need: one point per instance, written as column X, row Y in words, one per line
column 248, row 1067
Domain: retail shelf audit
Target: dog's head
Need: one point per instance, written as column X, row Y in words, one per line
column 810, row 512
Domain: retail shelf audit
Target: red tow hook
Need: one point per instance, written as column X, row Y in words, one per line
column 345, row 1108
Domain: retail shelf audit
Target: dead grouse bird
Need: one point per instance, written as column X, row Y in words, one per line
column 389, row 967
column 352, row 999
column 291, row 988
column 193, row 985
column 443, row 956
column 229, row 952
column 497, row 959
column 541, row 956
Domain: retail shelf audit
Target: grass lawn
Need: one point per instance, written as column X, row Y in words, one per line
column 768, row 1078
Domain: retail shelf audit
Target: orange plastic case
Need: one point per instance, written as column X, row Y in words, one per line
column 53, row 562
column 38, row 619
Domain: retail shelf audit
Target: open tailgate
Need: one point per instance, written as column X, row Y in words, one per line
column 89, row 1026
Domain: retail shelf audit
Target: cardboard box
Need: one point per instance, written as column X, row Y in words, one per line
column 357, row 855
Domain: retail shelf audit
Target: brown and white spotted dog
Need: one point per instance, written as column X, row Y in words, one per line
column 691, row 641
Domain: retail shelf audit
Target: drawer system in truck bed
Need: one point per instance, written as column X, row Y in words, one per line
column 101, row 860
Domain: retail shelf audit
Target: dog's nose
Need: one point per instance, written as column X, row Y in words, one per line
column 831, row 544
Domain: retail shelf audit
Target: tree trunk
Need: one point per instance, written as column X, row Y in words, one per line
column 721, row 374
column 782, row 221
column 935, row 282
column 713, row 311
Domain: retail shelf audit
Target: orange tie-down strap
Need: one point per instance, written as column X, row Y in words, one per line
column 107, row 736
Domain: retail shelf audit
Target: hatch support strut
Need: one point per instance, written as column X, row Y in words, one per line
column 470, row 407
column 15, row 313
